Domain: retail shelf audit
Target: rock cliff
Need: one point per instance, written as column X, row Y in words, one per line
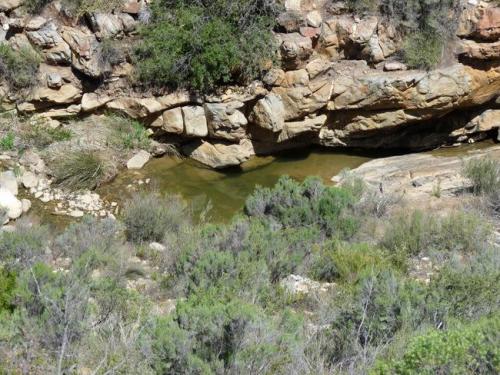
column 339, row 83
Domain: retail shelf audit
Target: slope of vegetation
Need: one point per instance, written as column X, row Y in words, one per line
column 75, row 299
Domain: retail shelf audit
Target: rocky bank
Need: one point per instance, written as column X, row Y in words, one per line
column 339, row 84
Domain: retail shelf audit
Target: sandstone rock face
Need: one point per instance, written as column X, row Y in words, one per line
column 339, row 82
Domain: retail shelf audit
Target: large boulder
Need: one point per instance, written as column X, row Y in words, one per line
column 195, row 122
column 226, row 121
column 8, row 181
column 12, row 206
column 173, row 121
column 220, row 155
column 85, row 51
column 269, row 113
column 66, row 94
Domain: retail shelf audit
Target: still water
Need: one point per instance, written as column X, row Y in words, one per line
column 227, row 190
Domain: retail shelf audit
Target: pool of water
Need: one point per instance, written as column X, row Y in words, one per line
column 227, row 190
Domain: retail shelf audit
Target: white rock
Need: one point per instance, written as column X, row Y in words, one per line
column 8, row 181
column 29, row 180
column 76, row 213
column 157, row 246
column 12, row 206
column 314, row 19
column 139, row 160
column 26, row 205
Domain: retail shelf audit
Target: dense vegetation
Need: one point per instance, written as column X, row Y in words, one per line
column 79, row 301
column 19, row 67
column 200, row 44
column 426, row 24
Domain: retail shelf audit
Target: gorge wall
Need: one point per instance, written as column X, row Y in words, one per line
column 340, row 83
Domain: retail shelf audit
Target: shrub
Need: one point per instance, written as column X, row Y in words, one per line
column 24, row 246
column 200, row 44
column 19, row 67
column 80, row 170
column 310, row 203
column 148, row 217
column 423, row 49
column 465, row 349
column 484, row 174
column 7, row 287
column 7, row 142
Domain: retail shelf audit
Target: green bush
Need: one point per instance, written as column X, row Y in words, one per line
column 7, row 287
column 77, row 7
column 423, row 49
column 7, row 142
column 148, row 217
column 80, row 170
column 201, row 44
column 484, row 174
column 311, row 203
column 19, row 67
column 465, row 349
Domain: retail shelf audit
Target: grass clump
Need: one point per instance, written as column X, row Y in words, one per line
column 128, row 133
column 80, row 170
column 484, row 174
column 7, row 142
column 40, row 136
column 148, row 217
column 18, row 67
column 201, row 44
column 76, row 7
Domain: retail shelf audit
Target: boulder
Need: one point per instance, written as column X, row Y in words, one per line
column 173, row 121
column 136, row 107
column 295, row 128
column 54, row 80
column 225, row 121
column 220, row 155
column 106, row 24
column 392, row 66
column 26, row 203
column 269, row 113
column 295, row 49
column 195, row 122
column 415, row 176
column 486, row 121
column 314, row 18
column 92, row 101
column 66, row 94
column 8, row 5
column 84, row 46
column 13, row 207
column 29, row 180
column 8, row 181
column 139, row 160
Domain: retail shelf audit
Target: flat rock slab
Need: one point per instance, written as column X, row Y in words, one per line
column 417, row 176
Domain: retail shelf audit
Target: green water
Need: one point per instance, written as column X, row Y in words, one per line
column 227, row 190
